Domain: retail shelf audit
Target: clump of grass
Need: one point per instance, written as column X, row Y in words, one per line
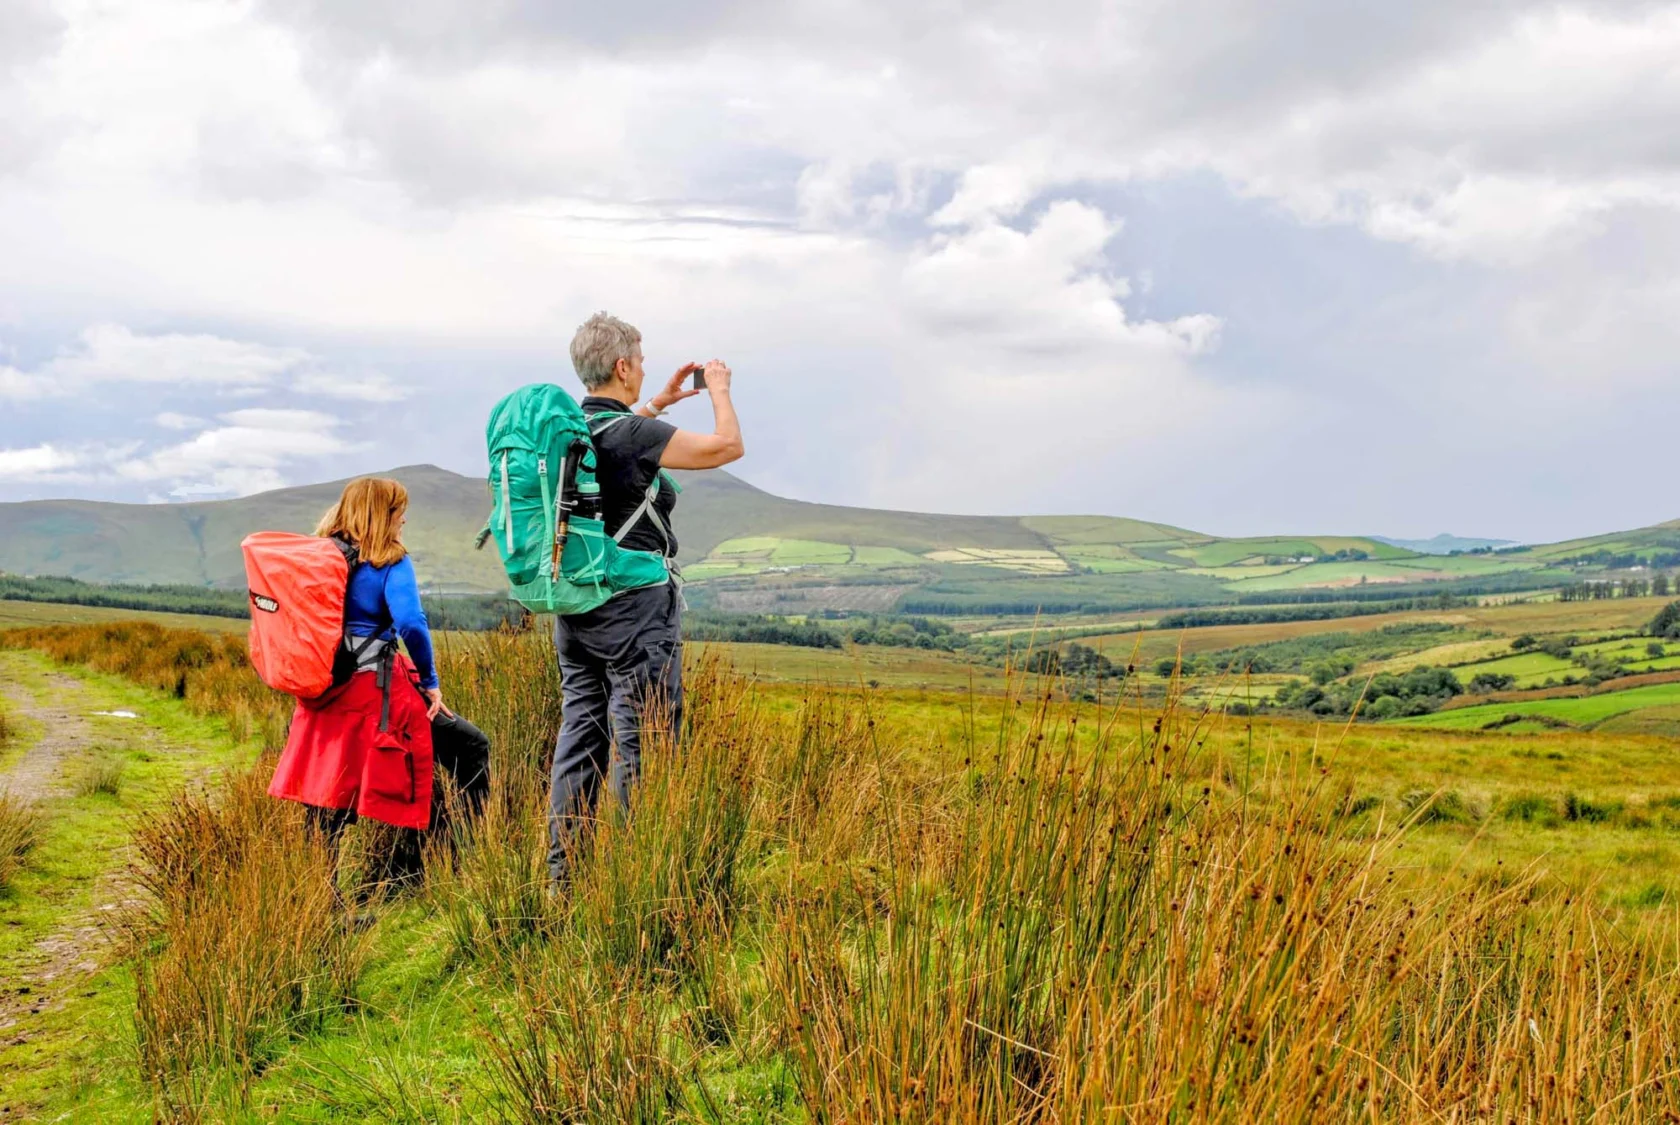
column 1530, row 808
column 1577, row 808
column 581, row 1050
column 7, row 730
column 239, row 943
column 1359, row 806
column 1650, row 895
column 102, row 777
column 21, row 824
column 1446, row 806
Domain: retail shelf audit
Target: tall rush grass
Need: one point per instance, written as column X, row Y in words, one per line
column 1088, row 917
column 238, row 943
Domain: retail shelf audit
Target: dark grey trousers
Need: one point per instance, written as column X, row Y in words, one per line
column 620, row 666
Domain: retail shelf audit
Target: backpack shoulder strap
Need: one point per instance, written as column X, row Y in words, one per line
column 603, row 420
column 599, row 423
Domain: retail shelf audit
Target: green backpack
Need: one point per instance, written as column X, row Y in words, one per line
column 546, row 511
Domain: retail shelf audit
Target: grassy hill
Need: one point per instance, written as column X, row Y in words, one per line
column 755, row 551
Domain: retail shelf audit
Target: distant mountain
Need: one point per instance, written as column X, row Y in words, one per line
column 1445, row 544
column 750, row 550
column 199, row 543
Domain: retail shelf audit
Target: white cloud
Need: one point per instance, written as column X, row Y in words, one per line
column 170, row 420
column 355, row 388
column 1038, row 290
column 109, row 354
column 40, row 463
column 246, row 453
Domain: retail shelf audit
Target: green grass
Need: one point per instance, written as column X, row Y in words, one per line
column 1108, row 558
column 1231, row 551
column 885, row 556
column 1530, row 668
column 1585, row 711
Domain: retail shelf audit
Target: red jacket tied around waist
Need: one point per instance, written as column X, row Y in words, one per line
column 337, row 757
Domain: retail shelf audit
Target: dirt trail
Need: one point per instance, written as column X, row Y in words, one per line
column 47, row 974
column 65, row 730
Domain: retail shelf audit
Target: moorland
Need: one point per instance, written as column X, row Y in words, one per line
column 1037, row 820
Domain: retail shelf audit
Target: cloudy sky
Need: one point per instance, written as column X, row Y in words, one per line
column 1305, row 265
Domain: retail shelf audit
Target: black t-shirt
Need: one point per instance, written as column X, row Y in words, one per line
column 627, row 455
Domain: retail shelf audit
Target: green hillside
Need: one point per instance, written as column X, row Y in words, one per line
column 1646, row 544
column 749, row 550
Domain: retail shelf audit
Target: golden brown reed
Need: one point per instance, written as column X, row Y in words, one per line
column 1112, row 927
column 238, row 943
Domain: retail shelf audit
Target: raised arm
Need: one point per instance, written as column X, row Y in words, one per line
column 689, row 450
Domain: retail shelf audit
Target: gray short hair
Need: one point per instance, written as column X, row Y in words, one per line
column 600, row 343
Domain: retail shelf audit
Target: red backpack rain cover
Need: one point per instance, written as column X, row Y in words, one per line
column 297, row 609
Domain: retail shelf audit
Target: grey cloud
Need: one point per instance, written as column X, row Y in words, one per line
column 29, row 32
column 240, row 160
column 1339, row 109
column 446, row 32
column 29, row 29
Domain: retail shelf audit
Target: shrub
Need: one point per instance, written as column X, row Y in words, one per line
column 1384, row 707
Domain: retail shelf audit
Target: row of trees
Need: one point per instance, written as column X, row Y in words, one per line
column 1657, row 586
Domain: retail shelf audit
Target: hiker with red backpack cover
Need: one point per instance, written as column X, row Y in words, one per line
column 370, row 724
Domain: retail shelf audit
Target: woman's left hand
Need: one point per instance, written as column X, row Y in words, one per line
column 674, row 391
column 434, row 704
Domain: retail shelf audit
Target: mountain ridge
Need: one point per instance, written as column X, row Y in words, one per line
column 736, row 536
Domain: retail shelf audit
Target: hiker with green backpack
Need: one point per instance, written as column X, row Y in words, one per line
column 582, row 519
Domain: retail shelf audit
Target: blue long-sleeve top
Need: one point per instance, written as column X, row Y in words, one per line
column 386, row 600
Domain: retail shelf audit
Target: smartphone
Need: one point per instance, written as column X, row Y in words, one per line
column 700, row 380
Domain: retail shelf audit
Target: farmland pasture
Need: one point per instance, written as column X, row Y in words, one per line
column 1583, row 711
column 1336, row 574
column 1529, row 668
